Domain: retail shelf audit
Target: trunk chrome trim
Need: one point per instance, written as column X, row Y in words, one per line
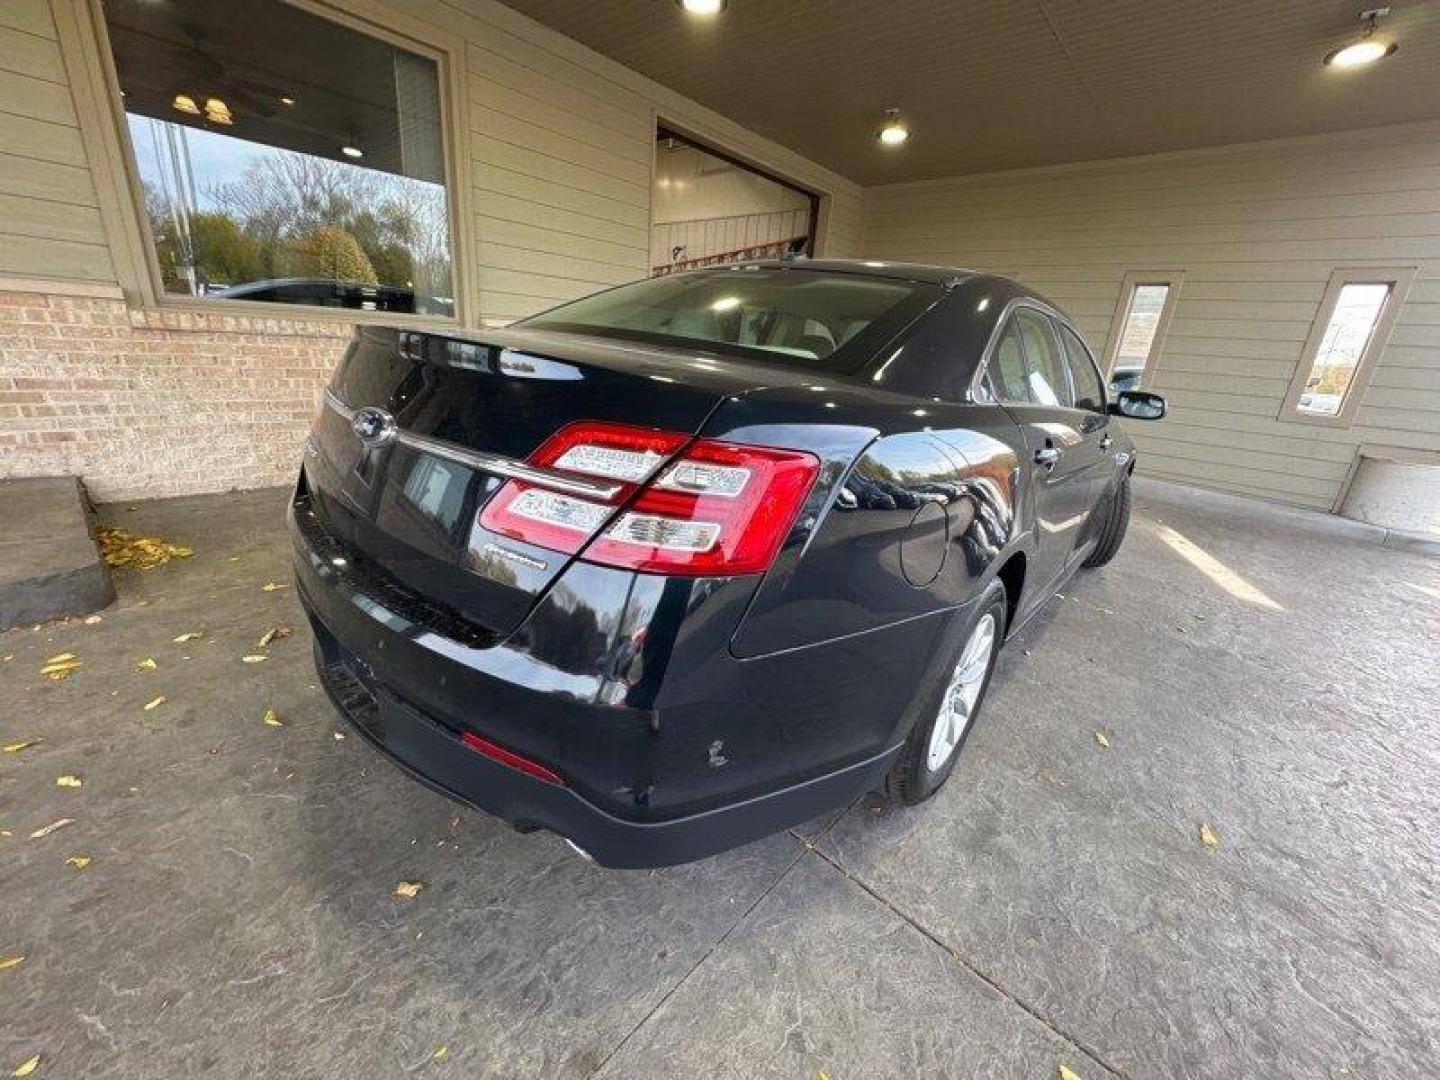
column 498, row 464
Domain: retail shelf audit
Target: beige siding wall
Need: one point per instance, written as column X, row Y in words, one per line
column 144, row 399
column 49, row 221
column 1257, row 232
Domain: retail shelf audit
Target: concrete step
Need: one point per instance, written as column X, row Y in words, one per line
column 49, row 563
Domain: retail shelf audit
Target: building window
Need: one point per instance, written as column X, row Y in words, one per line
column 1147, row 301
column 1346, row 339
column 285, row 157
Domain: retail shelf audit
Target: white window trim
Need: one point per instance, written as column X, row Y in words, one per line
column 1170, row 278
column 85, row 46
column 1399, row 278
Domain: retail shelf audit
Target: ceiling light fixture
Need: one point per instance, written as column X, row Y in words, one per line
column 286, row 99
column 217, row 112
column 703, row 7
column 893, row 131
column 186, row 104
column 1369, row 48
column 352, row 151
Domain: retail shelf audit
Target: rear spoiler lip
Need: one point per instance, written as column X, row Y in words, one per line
column 497, row 464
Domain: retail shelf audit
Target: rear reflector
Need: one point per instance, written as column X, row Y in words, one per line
column 720, row 508
column 510, row 758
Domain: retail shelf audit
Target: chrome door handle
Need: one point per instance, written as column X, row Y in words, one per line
column 1106, row 441
column 1047, row 456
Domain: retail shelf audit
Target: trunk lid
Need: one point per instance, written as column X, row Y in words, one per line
column 412, row 513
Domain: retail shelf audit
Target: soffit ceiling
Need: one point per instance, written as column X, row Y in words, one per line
column 1000, row 84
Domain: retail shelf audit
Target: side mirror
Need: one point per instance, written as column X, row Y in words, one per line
column 1138, row 405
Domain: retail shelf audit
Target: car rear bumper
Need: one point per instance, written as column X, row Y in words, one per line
column 413, row 692
column 434, row 754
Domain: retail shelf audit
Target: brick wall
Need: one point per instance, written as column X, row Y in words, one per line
column 145, row 404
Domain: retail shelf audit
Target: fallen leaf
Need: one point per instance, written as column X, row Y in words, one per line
column 62, row 665
column 1102, row 739
column 272, row 718
column 8, row 962
column 339, row 736
column 119, row 547
column 64, row 656
column 16, row 747
column 409, row 889
column 68, row 780
column 8, row 657
column 233, row 558
column 254, row 658
column 148, row 664
column 6, row 832
column 79, row 862
column 54, row 826
column 271, row 586
column 1209, row 837
column 28, row 1066
column 1068, row 1074
column 441, row 1053
column 275, row 633
column 154, row 703
column 191, row 636
column 91, row 620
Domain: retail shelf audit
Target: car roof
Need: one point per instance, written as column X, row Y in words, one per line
column 932, row 275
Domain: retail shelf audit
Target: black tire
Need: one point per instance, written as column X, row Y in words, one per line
column 910, row 779
column 1117, row 520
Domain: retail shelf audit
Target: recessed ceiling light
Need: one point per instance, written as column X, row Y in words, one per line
column 703, row 7
column 1368, row 49
column 893, row 131
column 286, row 99
column 217, row 112
column 352, row 151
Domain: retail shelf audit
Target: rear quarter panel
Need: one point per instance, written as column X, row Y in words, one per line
column 915, row 503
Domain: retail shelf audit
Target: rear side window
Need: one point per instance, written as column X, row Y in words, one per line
column 1007, row 369
column 1084, row 375
column 1046, row 381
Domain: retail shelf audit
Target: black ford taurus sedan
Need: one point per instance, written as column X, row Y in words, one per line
column 686, row 562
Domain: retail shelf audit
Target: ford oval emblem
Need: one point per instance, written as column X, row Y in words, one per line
column 373, row 427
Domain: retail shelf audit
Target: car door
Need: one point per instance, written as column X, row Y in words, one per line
column 1028, row 376
column 1093, row 452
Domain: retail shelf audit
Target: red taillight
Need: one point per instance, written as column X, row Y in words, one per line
column 718, row 508
column 508, row 757
column 563, row 522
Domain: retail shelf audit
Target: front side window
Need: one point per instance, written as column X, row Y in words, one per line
column 285, row 158
column 1089, row 393
column 823, row 321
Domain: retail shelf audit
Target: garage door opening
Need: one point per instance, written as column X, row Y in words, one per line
column 710, row 208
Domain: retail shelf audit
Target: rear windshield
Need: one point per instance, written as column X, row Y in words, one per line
column 816, row 319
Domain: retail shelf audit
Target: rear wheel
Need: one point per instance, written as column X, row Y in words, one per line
column 1117, row 520
column 935, row 741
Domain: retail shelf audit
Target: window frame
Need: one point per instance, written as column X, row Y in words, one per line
column 1132, row 280
column 1399, row 278
column 85, row 46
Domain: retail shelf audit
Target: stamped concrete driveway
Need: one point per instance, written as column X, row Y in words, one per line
column 1268, row 674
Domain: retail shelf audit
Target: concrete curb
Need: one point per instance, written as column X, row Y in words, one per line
column 50, row 565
